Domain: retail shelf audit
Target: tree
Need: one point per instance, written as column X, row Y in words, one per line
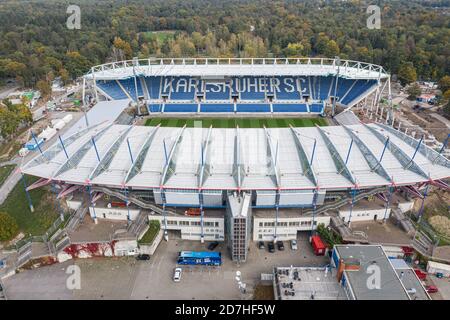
column 8, row 227
column 446, row 110
column 294, row 49
column 407, row 73
column 123, row 48
column 444, row 84
column 413, row 91
column 44, row 87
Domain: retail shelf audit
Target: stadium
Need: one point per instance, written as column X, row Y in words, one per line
column 237, row 149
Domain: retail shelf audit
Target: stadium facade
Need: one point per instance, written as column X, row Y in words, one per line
column 154, row 168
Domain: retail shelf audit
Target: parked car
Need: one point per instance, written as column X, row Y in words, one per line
column 271, row 247
column 431, row 289
column 143, row 257
column 261, row 245
column 280, row 245
column 177, row 275
column 213, row 245
column 294, row 245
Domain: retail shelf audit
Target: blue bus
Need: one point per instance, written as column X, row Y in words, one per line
column 200, row 258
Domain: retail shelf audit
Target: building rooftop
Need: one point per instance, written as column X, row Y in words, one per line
column 397, row 280
column 140, row 157
column 307, row 284
column 216, row 68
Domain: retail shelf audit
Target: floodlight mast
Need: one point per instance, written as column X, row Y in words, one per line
column 338, row 63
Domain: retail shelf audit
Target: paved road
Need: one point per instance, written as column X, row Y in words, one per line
column 441, row 119
column 4, row 92
column 126, row 278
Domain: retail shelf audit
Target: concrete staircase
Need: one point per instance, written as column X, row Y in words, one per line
column 403, row 221
column 423, row 244
column 346, row 233
column 138, row 226
column 344, row 201
column 139, row 202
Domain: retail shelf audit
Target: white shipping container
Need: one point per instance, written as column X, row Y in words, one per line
column 59, row 125
column 435, row 267
column 67, row 118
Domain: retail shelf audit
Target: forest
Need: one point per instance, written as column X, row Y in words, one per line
column 36, row 46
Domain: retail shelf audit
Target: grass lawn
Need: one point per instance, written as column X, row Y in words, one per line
column 5, row 171
column 241, row 122
column 161, row 36
column 44, row 214
column 151, row 233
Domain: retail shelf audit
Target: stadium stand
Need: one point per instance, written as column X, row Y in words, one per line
column 252, row 94
column 316, row 108
column 128, row 85
column 155, row 107
column 218, row 91
column 180, row 107
column 112, row 89
column 252, row 107
column 217, row 107
column 290, row 107
column 153, row 86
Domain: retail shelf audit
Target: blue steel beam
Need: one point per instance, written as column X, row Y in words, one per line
column 370, row 158
column 340, row 164
column 406, row 161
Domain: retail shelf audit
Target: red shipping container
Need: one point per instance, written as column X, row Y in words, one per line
column 318, row 246
column 420, row 274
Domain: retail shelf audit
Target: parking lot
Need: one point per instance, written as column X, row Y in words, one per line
column 126, row 278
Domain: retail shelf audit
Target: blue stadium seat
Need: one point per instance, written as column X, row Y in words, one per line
column 216, row 107
column 325, row 85
column 129, row 86
column 218, row 91
column 112, row 89
column 249, row 88
column 155, row 107
column 316, row 107
column 153, row 87
column 358, row 89
column 288, row 89
column 253, row 107
column 289, row 107
column 183, row 88
column 343, row 86
column 180, row 107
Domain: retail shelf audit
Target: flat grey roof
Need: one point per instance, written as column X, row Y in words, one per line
column 390, row 289
column 100, row 112
column 311, row 284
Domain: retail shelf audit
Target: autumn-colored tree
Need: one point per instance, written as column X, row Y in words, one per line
column 44, row 87
column 407, row 74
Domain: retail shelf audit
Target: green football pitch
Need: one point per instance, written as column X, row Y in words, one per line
column 242, row 123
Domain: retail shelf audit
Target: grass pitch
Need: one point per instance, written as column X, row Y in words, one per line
column 241, row 122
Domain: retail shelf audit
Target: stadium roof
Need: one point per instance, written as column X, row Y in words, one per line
column 255, row 159
column 213, row 68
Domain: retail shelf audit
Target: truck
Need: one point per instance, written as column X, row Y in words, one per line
column 32, row 145
column 318, row 245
